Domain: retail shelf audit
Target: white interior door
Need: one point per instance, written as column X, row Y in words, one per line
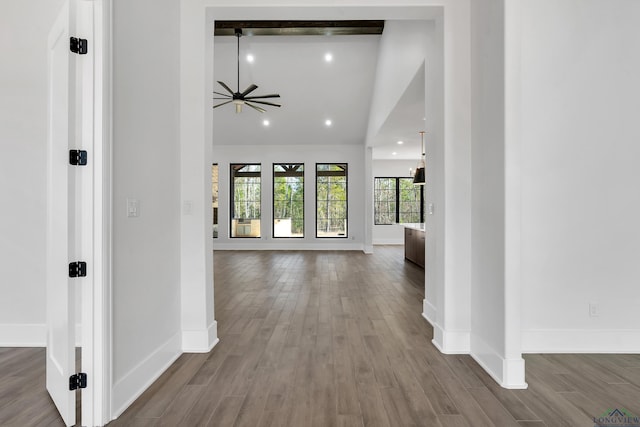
column 61, row 237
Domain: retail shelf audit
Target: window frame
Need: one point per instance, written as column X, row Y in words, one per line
column 346, row 190
column 215, row 198
column 397, row 199
column 232, row 175
column 273, row 200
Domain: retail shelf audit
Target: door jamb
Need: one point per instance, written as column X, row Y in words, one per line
column 95, row 24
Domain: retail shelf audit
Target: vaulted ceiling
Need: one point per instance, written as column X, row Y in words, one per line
column 312, row 90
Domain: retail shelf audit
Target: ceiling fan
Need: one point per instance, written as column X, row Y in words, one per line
column 240, row 98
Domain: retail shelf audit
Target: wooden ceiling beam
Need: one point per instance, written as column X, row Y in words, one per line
column 298, row 28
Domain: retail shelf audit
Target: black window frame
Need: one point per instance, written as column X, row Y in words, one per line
column 215, row 197
column 397, row 196
column 232, row 175
column 346, row 176
column 273, row 199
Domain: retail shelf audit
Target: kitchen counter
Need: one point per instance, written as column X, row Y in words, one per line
column 414, row 225
column 414, row 240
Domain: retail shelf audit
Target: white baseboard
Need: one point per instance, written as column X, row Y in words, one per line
column 581, row 341
column 449, row 342
column 429, row 311
column 200, row 341
column 131, row 385
column 388, row 241
column 509, row 373
column 337, row 244
column 23, row 335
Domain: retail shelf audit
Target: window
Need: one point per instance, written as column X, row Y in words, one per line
column 397, row 200
column 288, row 200
column 331, row 200
column 214, row 197
column 384, row 200
column 245, row 200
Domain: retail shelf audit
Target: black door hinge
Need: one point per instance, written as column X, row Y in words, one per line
column 77, row 381
column 78, row 157
column 78, row 269
column 77, row 45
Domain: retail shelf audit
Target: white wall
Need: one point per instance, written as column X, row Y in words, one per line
column 580, row 151
column 146, row 167
column 353, row 155
column 401, row 53
column 24, row 27
column 440, row 43
column 487, row 127
column 494, row 343
column 391, row 234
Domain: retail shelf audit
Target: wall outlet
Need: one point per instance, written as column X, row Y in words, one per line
column 187, row 207
column 594, row 310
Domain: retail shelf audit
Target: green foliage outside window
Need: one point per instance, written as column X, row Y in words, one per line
column 246, row 191
column 396, row 200
column 288, row 200
column 331, row 200
column 384, row 201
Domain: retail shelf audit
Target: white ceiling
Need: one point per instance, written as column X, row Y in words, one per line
column 312, row 91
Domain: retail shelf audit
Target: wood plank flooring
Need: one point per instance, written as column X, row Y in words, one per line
column 337, row 339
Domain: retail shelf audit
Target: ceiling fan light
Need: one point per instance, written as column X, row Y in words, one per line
column 419, row 177
column 239, row 98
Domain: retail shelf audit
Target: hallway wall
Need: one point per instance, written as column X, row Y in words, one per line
column 146, row 167
column 580, row 151
column 495, row 312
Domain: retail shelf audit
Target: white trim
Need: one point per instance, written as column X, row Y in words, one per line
column 394, row 242
column 508, row 373
column 429, row 311
column 512, row 192
column 200, row 341
column 96, row 355
column 258, row 244
column 581, row 341
column 128, row 388
column 23, row 334
column 449, row 342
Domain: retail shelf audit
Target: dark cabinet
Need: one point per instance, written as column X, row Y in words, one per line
column 414, row 245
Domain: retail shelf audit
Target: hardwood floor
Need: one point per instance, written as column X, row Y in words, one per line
column 337, row 339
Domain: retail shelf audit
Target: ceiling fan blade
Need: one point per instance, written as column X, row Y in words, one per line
column 222, row 94
column 226, row 87
column 215, row 106
column 266, row 103
column 255, row 107
column 249, row 90
column 272, row 95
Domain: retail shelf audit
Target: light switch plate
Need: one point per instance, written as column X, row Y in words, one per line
column 133, row 208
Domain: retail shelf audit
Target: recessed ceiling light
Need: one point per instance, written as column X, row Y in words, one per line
column 327, row 122
column 265, row 122
column 394, row 153
column 250, row 58
column 400, row 142
column 328, row 57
